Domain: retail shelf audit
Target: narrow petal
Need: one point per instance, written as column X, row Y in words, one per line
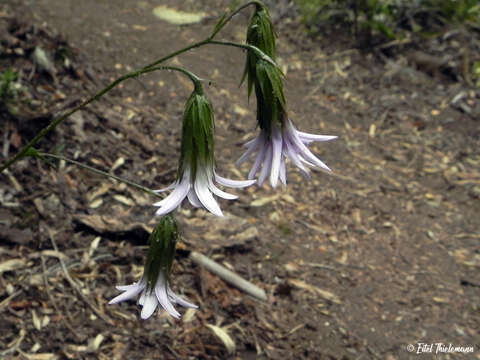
column 252, row 146
column 193, row 198
column 174, row 199
column 221, row 193
column 250, row 142
column 314, row 160
column 161, row 292
column 297, row 142
column 283, row 172
column 149, row 305
column 169, row 187
column 177, row 299
column 258, row 161
column 291, row 153
column 267, row 165
column 233, row 183
column 204, row 194
column 141, row 300
column 276, row 156
column 126, row 287
column 128, row 294
column 314, row 137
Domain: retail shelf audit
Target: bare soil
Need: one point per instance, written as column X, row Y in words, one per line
column 358, row 265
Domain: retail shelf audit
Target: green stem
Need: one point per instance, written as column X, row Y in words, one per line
column 255, row 49
column 100, row 172
column 195, row 79
column 145, row 69
column 228, row 18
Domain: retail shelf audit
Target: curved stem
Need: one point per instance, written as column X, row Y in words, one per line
column 255, row 49
column 225, row 20
column 148, row 68
column 195, row 79
column 100, row 172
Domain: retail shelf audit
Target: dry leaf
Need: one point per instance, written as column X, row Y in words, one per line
column 222, row 334
column 12, row 264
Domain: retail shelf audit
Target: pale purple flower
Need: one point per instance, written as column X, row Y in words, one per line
column 199, row 192
column 285, row 142
column 151, row 297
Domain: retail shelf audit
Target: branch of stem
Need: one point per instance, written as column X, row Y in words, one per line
column 145, row 69
column 100, row 172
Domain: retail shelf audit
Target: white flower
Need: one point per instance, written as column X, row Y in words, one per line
column 285, row 142
column 199, row 191
column 151, row 297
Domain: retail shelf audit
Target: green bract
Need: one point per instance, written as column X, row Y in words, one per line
column 197, row 149
column 161, row 253
column 260, row 33
column 271, row 103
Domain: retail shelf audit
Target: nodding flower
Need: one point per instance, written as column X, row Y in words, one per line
column 196, row 176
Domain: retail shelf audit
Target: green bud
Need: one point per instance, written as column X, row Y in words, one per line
column 260, row 33
column 197, row 148
column 161, row 253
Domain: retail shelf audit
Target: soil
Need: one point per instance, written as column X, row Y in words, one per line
column 357, row 265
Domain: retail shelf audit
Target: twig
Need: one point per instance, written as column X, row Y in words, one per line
column 15, row 344
column 52, row 300
column 228, row 276
column 75, row 286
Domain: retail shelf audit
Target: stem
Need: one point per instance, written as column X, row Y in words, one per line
column 255, row 49
column 145, row 69
column 228, row 18
column 100, row 172
column 195, row 79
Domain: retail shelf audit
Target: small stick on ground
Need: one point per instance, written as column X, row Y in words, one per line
column 228, row 276
column 75, row 286
column 45, row 281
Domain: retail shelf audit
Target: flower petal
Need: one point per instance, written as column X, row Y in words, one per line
column 169, row 187
column 292, row 133
column 161, row 292
column 220, row 193
column 149, row 305
column 177, row 299
column 131, row 292
column 193, row 198
column 204, row 194
column 174, row 199
column 267, row 165
column 283, row 172
column 233, row 183
column 313, row 137
column 258, row 161
column 276, row 156
column 252, row 146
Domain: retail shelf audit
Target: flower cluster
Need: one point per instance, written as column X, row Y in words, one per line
column 278, row 142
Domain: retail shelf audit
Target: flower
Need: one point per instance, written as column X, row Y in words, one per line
column 199, row 190
column 196, row 171
column 154, row 284
column 284, row 142
column 151, row 297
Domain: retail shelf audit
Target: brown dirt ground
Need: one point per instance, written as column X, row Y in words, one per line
column 356, row 266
